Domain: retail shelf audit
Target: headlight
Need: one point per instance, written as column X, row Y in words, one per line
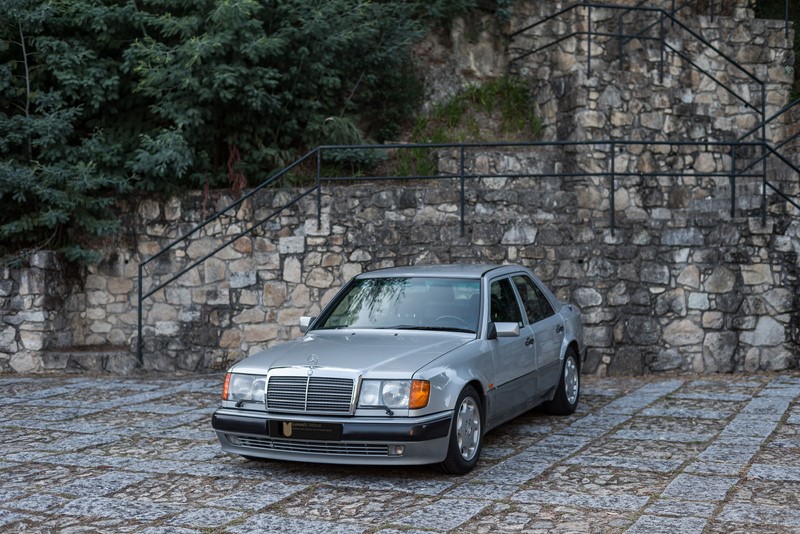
column 243, row 388
column 410, row 394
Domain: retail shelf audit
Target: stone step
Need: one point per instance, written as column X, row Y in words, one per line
column 108, row 359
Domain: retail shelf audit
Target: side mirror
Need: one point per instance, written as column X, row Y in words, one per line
column 305, row 322
column 507, row 329
column 502, row 330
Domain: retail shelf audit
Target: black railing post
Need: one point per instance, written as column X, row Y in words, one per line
column 613, row 188
column 589, row 49
column 319, row 189
column 661, row 42
column 733, row 181
column 461, row 178
column 139, row 353
column 786, row 19
column 763, row 154
column 621, row 42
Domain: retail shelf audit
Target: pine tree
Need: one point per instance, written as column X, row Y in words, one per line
column 104, row 97
column 51, row 180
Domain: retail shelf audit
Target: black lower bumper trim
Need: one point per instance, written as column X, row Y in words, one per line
column 351, row 431
column 396, row 432
column 243, row 425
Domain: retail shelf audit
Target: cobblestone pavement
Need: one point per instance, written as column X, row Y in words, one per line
column 681, row 454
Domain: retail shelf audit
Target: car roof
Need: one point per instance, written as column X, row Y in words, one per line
column 455, row 270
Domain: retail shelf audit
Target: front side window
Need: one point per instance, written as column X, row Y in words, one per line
column 536, row 305
column 504, row 307
column 407, row 303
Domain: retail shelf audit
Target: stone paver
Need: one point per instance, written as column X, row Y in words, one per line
column 718, row 454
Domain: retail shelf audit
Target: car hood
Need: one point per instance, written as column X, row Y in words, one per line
column 371, row 353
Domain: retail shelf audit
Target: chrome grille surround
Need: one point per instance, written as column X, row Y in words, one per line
column 310, row 447
column 324, row 391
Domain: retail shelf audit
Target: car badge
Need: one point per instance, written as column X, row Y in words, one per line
column 313, row 361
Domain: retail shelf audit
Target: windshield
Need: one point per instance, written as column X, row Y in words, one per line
column 407, row 303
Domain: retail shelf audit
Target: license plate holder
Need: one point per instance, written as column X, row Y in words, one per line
column 306, row 430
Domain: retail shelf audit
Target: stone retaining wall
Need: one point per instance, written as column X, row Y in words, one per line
column 703, row 293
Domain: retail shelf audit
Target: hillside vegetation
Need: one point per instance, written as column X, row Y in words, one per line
column 105, row 98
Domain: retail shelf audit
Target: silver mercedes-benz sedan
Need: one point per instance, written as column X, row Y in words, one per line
column 409, row 365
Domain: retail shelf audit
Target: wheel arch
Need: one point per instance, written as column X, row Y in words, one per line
column 482, row 397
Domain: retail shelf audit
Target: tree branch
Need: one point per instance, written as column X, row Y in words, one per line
column 27, row 109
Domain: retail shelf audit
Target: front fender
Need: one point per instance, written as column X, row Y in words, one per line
column 449, row 374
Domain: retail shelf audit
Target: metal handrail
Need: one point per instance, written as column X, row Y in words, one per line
column 771, row 118
column 220, row 213
column 775, row 149
column 517, row 144
column 791, row 165
column 674, row 11
column 654, row 10
column 715, row 80
column 269, row 181
column 782, row 195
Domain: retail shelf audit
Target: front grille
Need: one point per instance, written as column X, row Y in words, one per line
column 310, row 394
column 311, row 447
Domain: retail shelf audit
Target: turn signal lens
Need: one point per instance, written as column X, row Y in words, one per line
column 420, row 394
column 226, row 386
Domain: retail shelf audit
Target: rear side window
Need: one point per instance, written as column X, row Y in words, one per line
column 504, row 307
column 537, row 307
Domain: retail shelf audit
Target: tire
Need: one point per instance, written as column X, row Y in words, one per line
column 466, row 434
column 569, row 387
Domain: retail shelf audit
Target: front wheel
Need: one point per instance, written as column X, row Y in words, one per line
column 466, row 434
column 569, row 387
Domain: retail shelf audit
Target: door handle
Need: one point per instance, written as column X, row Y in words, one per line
column 528, row 342
column 560, row 329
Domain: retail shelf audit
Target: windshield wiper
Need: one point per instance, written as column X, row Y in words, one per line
column 424, row 327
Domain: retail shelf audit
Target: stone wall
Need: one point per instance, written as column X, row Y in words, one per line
column 631, row 99
column 41, row 311
column 704, row 294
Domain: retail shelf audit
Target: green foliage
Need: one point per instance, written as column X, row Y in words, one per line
column 99, row 98
column 52, row 178
column 342, row 131
column 160, row 160
column 417, row 161
column 505, row 101
column 265, row 77
column 498, row 109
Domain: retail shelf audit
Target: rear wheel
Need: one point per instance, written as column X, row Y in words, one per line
column 466, row 434
column 569, row 387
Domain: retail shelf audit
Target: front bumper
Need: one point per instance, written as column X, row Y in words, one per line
column 363, row 440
